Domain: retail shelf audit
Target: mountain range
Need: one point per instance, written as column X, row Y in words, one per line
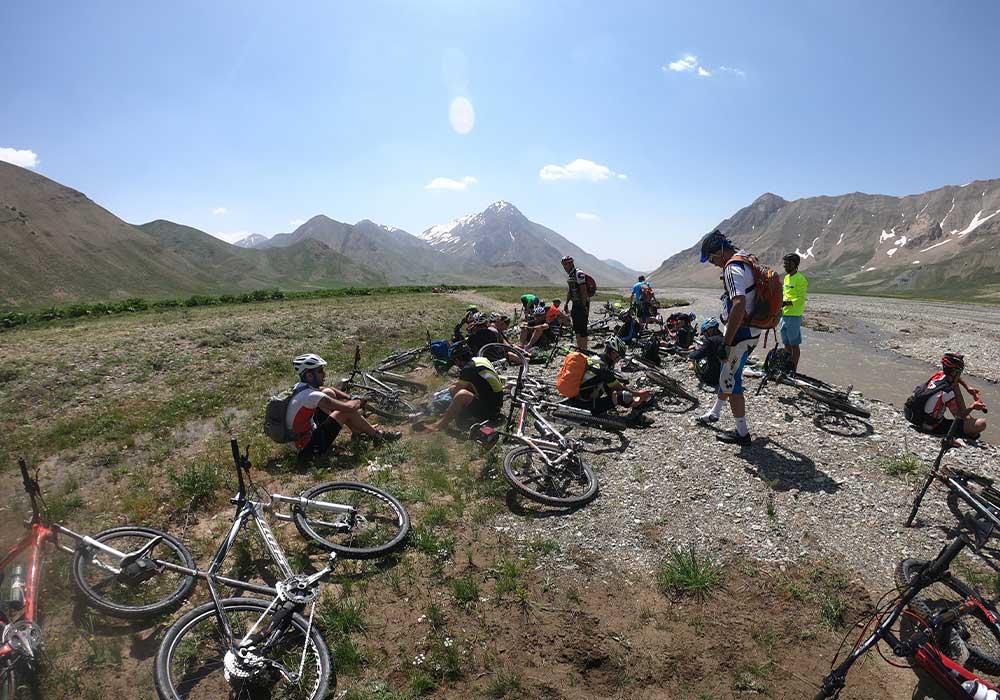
column 58, row 246
column 941, row 243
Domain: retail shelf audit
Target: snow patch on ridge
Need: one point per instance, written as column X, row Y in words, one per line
column 901, row 241
column 885, row 236
column 442, row 233
column 949, row 213
column 809, row 251
column 977, row 222
column 891, row 251
column 931, row 247
column 841, row 239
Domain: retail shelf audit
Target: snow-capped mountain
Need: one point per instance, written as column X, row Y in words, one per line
column 252, row 241
column 502, row 235
column 939, row 242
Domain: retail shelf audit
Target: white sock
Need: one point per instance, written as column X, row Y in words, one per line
column 741, row 426
column 717, row 408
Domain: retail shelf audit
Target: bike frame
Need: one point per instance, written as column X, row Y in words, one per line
column 368, row 381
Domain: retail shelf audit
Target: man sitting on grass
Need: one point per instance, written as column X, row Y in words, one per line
column 477, row 395
column 316, row 413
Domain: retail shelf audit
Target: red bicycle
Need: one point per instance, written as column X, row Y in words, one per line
column 114, row 570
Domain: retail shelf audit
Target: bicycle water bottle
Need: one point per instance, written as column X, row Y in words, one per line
column 978, row 691
column 16, row 599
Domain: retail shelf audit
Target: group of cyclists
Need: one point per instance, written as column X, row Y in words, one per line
column 717, row 351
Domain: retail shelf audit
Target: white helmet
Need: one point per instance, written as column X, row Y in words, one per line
column 306, row 362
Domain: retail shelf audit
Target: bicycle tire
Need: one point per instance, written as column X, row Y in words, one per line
column 198, row 629
column 671, row 385
column 103, row 594
column 7, row 683
column 583, row 416
column 981, row 487
column 521, row 472
column 981, row 638
column 403, row 383
column 391, row 406
column 389, row 518
column 400, row 359
column 835, row 400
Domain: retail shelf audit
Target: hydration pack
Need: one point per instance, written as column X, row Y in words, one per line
column 913, row 409
column 275, row 425
column 571, row 374
column 767, row 283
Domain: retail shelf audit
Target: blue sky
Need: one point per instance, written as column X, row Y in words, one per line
column 632, row 128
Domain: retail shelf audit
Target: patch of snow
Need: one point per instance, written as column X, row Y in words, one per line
column 966, row 184
column 829, row 220
column 885, row 236
column 915, row 262
column 949, row 213
column 891, row 251
column 924, row 209
column 930, row 247
column 868, row 269
column 977, row 222
column 901, row 241
column 511, row 234
column 809, row 251
column 841, row 239
column 442, row 233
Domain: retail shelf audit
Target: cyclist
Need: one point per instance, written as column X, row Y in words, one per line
column 680, row 332
column 931, row 403
column 579, row 296
column 316, row 413
column 740, row 339
column 555, row 317
column 534, row 327
column 705, row 355
column 793, row 305
column 458, row 335
column 637, row 289
column 476, row 394
column 481, row 333
column 528, row 304
column 601, row 389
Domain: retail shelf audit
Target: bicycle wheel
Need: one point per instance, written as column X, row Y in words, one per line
column 580, row 415
column 830, row 395
column 7, row 684
column 391, row 406
column 404, row 384
column 570, row 481
column 669, row 384
column 136, row 594
column 400, row 359
column 979, row 636
column 378, row 525
column 195, row 661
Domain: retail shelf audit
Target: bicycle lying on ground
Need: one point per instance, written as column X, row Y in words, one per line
column 378, row 391
column 248, row 647
column 777, row 368
column 548, row 468
column 956, row 625
column 133, row 585
column 405, row 357
column 670, row 386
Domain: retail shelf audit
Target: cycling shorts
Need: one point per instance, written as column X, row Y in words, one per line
column 581, row 319
column 731, row 375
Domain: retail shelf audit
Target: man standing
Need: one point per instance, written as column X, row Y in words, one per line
column 793, row 302
column 579, row 297
column 637, row 289
column 740, row 338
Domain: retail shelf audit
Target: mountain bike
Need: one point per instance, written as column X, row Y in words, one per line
column 949, row 622
column 405, row 357
column 777, row 368
column 380, row 397
column 134, row 584
column 671, row 387
column 546, row 468
column 248, row 647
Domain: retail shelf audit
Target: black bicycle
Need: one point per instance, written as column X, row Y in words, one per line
column 778, row 368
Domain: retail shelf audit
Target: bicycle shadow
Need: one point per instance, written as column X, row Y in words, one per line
column 518, row 505
column 144, row 635
column 609, row 439
column 783, row 467
column 830, row 421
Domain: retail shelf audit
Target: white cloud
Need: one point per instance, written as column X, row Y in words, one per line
column 586, row 216
column 295, row 223
column 25, row 158
column 622, row 176
column 579, row 169
column 462, row 115
column 735, row 71
column 220, row 211
column 446, row 183
column 703, row 73
column 687, row 63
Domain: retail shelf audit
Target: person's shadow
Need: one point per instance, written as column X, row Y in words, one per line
column 784, row 467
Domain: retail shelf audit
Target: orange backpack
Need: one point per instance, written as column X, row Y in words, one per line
column 767, row 283
column 571, row 374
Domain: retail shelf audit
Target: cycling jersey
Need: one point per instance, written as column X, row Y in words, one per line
column 299, row 417
column 637, row 290
column 576, row 281
column 794, row 289
column 552, row 314
column 482, row 337
column 528, row 300
column 940, row 401
column 486, row 383
column 738, row 281
column 597, row 379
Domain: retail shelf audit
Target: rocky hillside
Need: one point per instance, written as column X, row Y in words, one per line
column 939, row 243
column 502, row 235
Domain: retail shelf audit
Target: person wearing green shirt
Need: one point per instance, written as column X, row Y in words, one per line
column 793, row 305
column 528, row 303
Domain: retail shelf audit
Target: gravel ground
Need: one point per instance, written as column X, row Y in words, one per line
column 813, row 484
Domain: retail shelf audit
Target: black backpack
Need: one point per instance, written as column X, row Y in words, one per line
column 274, row 417
column 913, row 409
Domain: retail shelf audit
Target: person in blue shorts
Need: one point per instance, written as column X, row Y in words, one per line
column 794, row 289
column 739, row 339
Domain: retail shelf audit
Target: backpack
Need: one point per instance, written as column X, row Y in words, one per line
column 651, row 352
column 274, row 416
column 571, row 374
column 767, row 283
column 591, row 285
column 913, row 409
column 439, row 349
column 646, row 292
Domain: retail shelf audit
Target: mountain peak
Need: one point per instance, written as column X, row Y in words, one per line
column 770, row 198
column 250, row 241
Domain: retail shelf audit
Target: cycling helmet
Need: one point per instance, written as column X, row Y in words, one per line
column 625, row 315
column 708, row 323
column 616, row 345
column 713, row 243
column 459, row 352
column 953, row 361
column 556, row 302
column 471, row 307
column 792, row 257
column 567, row 258
column 304, row 363
column 477, row 319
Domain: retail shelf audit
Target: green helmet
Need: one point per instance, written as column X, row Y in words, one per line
column 616, row 344
column 471, row 307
